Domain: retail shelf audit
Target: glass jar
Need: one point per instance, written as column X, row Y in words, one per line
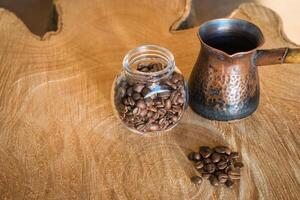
column 150, row 94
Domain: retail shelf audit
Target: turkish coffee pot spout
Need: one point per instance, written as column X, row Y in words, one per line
column 224, row 83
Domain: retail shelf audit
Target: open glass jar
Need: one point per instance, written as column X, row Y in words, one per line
column 150, row 94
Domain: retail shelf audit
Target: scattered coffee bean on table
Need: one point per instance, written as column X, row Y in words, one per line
column 218, row 164
column 196, row 179
column 145, row 107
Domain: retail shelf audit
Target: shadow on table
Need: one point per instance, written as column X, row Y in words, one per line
column 40, row 15
column 203, row 10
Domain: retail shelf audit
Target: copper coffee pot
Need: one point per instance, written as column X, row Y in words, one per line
column 224, row 83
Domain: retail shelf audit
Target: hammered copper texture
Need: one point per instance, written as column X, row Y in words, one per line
column 224, row 87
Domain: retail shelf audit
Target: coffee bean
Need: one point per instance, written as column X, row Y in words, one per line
column 180, row 100
column 136, row 96
column 222, row 178
column 197, row 156
column 176, row 109
column 123, row 84
column 159, row 105
column 210, row 168
column 138, row 88
column 140, row 127
column 164, row 95
column 155, row 67
column 229, row 183
column 199, row 165
column 144, row 65
column 168, row 104
column 234, row 174
column 153, row 127
column 153, row 109
column 191, row 156
column 139, row 66
column 122, row 91
column 149, row 102
column 172, row 85
column 196, row 180
column 227, row 169
column 175, row 98
column 162, row 112
column 155, row 116
column 215, row 157
column 145, row 91
column 125, row 101
column 145, row 69
column 225, row 157
column 142, row 69
column 207, row 161
column 234, row 155
column 130, row 101
column 129, row 91
column 149, row 114
column 174, row 118
column 218, row 172
column 136, row 111
column 139, row 122
column 205, row 175
column 177, row 77
column 213, row 180
column 159, row 66
column 127, row 109
column 143, row 113
column 235, row 177
column 181, row 89
column 161, row 121
column 205, row 151
column 138, row 119
column 173, row 94
column 141, row 104
column 222, row 149
column 166, row 125
column 222, row 165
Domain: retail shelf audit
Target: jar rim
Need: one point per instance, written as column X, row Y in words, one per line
column 144, row 49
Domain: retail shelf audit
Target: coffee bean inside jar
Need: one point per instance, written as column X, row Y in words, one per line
column 150, row 93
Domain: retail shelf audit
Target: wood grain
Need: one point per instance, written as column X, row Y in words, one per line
column 59, row 138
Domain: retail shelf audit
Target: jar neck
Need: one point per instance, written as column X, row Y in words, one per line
column 148, row 54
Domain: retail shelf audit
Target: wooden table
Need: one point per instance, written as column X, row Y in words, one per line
column 59, row 138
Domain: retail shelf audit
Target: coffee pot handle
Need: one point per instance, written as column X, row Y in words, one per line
column 277, row 56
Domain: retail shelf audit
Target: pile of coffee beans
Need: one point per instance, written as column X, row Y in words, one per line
column 145, row 107
column 218, row 164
